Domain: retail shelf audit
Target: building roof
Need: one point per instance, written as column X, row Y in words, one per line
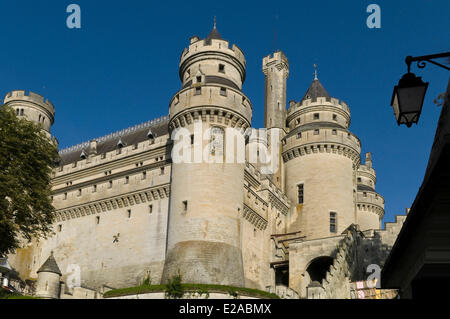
column 50, row 266
column 4, row 265
column 214, row 34
column 110, row 142
column 316, row 90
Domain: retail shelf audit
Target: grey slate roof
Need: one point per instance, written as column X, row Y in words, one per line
column 316, row 90
column 214, row 34
column 108, row 143
column 50, row 266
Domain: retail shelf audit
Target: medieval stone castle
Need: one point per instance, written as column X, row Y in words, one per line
column 124, row 211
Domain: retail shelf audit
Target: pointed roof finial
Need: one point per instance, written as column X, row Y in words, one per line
column 315, row 72
column 215, row 22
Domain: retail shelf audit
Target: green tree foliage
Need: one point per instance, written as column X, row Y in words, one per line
column 26, row 160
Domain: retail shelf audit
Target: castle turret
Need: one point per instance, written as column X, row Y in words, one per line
column 48, row 282
column 321, row 158
column 276, row 72
column 206, row 197
column 33, row 107
column 369, row 204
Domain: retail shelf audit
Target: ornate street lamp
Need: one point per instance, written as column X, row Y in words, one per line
column 409, row 94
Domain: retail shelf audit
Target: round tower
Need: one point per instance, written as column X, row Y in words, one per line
column 206, row 196
column 33, row 107
column 370, row 204
column 48, row 282
column 321, row 158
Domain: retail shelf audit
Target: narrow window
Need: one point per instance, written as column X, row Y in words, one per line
column 192, row 139
column 300, row 193
column 298, row 121
column 21, row 112
column 299, row 135
column 144, row 175
column 223, row 91
column 333, row 224
column 17, row 112
column 103, row 156
column 198, row 91
column 65, row 195
column 316, row 132
column 40, row 117
column 94, row 189
column 79, row 192
column 221, row 68
column 129, row 213
column 150, row 209
column 185, row 206
column 127, row 179
column 365, row 194
column 59, row 228
column 359, row 179
column 334, row 117
column 334, row 132
column 316, row 116
column 162, row 170
column 110, row 184
column 97, row 219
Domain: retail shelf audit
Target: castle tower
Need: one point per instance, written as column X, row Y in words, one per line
column 370, row 204
column 48, row 282
column 321, row 157
column 33, row 107
column 206, row 198
column 276, row 72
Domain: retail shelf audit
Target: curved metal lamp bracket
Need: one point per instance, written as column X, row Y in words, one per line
column 421, row 60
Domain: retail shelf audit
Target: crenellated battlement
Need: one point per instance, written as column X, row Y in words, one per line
column 321, row 101
column 277, row 59
column 216, row 45
column 21, row 95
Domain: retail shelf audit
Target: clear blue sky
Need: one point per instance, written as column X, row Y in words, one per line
column 121, row 68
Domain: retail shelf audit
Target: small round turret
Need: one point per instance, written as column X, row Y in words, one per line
column 369, row 204
column 48, row 282
column 33, row 107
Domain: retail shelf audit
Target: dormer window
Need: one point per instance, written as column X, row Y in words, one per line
column 221, row 68
column 120, row 144
column 83, row 155
column 199, row 79
column 150, row 134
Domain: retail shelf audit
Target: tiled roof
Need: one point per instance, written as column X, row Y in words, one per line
column 108, row 143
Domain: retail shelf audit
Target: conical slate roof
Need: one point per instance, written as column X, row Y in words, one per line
column 316, row 90
column 214, row 34
column 50, row 266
